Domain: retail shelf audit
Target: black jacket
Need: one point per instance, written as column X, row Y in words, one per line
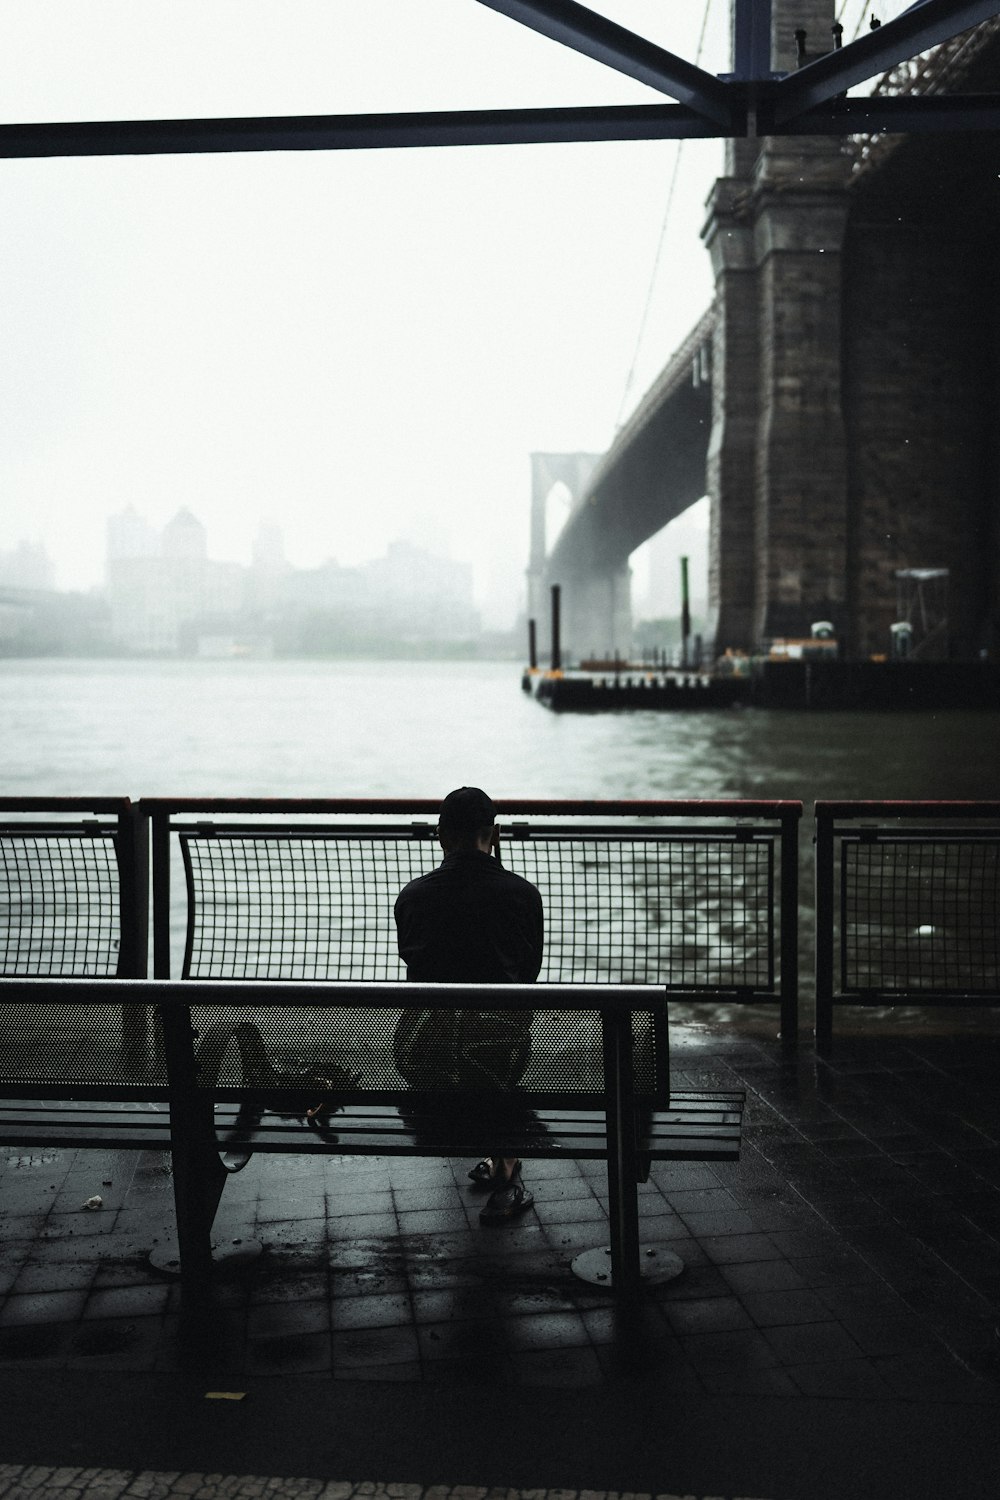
column 470, row 921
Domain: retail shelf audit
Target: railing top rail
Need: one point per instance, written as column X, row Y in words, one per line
column 848, row 810
column 355, row 995
column 65, row 804
column 426, row 806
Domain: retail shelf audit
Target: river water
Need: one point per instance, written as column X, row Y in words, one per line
column 374, row 729
column 378, row 729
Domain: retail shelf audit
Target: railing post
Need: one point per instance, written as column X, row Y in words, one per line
column 133, row 904
column 623, row 1196
column 790, row 927
column 824, row 928
column 161, row 894
column 556, row 644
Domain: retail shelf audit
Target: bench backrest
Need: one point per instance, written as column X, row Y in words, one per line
column 65, row 1039
column 354, row 1047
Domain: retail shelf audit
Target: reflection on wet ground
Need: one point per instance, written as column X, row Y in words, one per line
column 854, row 1249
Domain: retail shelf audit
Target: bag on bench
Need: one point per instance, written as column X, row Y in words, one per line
column 463, row 1049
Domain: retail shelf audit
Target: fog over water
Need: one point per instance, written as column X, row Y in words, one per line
column 377, row 729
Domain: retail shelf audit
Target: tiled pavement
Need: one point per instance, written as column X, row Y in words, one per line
column 853, row 1253
column 19, row 1482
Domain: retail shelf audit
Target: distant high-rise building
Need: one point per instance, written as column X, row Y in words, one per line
column 419, row 596
column 130, row 535
column 167, row 596
column 184, row 537
column 157, row 586
column 27, row 566
column 268, row 568
column 269, row 548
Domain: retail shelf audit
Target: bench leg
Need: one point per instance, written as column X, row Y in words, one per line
column 623, row 1212
column 199, row 1178
column 626, row 1265
column 623, row 1196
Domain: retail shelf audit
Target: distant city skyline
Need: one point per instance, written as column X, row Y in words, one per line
column 131, row 534
column 362, row 345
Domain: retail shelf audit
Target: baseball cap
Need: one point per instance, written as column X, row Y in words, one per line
column 466, row 810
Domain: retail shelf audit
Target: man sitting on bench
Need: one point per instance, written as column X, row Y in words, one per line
column 470, row 921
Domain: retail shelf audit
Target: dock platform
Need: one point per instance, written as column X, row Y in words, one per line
column 851, row 685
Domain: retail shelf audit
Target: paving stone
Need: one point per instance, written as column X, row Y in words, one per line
column 289, row 1353
column 739, row 1348
column 811, row 1343
column 762, row 1276
column 707, row 1315
column 42, row 1307
column 563, row 1368
column 730, row 1249
column 548, row 1330
column 380, row 1270
column 383, row 1310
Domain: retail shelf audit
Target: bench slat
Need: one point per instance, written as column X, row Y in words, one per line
column 712, row 1131
column 667, row 1135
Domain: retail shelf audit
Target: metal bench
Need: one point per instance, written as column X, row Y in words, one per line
column 231, row 1069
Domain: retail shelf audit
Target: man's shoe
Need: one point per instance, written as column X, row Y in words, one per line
column 506, row 1202
column 485, row 1174
column 488, row 1174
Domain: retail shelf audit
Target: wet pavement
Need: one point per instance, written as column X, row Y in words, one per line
column 838, row 1309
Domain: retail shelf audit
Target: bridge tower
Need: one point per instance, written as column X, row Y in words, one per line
column 574, row 471
column 777, row 457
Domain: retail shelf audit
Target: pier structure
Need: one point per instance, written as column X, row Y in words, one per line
column 839, row 399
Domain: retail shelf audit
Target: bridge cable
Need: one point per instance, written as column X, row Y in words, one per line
column 630, row 378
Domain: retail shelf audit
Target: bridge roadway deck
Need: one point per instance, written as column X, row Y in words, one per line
column 833, row 1333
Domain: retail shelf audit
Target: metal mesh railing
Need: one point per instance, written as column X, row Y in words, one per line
column 907, row 905
column 289, row 906
column 687, row 912
column 59, row 903
column 920, row 914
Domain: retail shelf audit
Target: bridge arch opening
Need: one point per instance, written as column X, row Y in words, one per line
column 558, row 503
column 656, row 579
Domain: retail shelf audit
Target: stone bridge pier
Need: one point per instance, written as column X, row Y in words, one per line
column 839, row 403
column 856, row 384
column 777, row 457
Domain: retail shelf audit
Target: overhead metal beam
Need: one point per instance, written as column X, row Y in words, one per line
column 899, row 114
column 639, row 122
column 751, row 39
column 922, row 26
column 498, row 127
column 778, row 111
column 595, row 36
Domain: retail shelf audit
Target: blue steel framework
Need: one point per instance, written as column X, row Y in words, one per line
column 751, row 101
column 907, row 906
column 698, row 897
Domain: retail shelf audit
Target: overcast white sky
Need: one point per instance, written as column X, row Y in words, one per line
column 359, row 346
